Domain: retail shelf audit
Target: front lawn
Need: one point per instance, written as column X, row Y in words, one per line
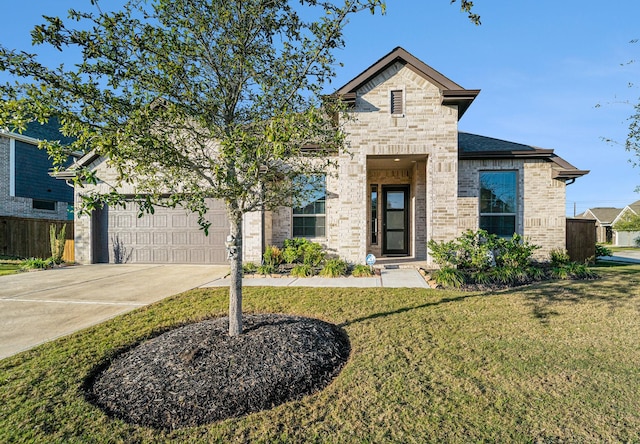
column 551, row 362
column 9, row 267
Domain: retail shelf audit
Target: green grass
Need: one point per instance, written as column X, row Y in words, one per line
column 9, row 267
column 551, row 362
column 615, row 249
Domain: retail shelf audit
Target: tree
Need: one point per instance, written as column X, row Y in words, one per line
column 193, row 99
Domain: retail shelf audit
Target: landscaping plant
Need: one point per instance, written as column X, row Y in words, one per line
column 334, row 268
column 57, row 242
column 361, row 270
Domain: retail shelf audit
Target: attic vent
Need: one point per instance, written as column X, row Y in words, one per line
column 397, row 104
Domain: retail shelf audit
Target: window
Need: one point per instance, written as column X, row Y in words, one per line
column 309, row 216
column 43, row 205
column 498, row 197
column 397, row 102
column 374, row 214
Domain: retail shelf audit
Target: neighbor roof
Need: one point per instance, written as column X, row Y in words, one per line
column 35, row 132
column 604, row 215
column 473, row 146
column 635, row 207
column 453, row 94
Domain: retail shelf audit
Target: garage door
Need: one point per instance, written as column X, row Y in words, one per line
column 169, row 236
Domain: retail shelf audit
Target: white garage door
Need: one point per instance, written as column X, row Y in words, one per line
column 169, row 236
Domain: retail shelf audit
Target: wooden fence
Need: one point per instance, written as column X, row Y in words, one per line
column 581, row 239
column 27, row 238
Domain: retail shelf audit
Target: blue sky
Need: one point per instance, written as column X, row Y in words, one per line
column 543, row 67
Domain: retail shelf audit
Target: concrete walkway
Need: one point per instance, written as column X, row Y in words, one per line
column 40, row 306
column 631, row 256
column 389, row 278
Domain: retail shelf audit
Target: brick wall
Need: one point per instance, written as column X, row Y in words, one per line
column 541, row 201
column 427, row 132
column 21, row 206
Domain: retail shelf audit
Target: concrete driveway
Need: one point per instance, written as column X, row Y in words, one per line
column 40, row 306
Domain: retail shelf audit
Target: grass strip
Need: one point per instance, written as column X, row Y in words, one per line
column 554, row 361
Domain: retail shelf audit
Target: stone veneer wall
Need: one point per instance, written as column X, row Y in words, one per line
column 426, row 128
column 541, row 200
column 21, row 206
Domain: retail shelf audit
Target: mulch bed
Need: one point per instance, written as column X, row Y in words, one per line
column 198, row 374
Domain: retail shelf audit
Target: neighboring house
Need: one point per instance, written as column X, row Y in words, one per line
column 604, row 217
column 410, row 176
column 26, row 188
column 627, row 238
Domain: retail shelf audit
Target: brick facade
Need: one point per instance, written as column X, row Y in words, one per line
column 419, row 151
column 15, row 206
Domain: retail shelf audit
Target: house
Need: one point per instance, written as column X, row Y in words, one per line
column 626, row 238
column 410, row 176
column 604, row 217
column 26, row 188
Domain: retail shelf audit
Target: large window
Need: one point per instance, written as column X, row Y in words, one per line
column 309, row 216
column 498, row 198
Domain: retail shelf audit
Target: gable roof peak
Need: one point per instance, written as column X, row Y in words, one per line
column 453, row 94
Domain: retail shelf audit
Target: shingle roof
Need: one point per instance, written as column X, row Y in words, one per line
column 473, row 143
column 46, row 131
column 452, row 93
column 635, row 206
column 473, row 146
column 604, row 215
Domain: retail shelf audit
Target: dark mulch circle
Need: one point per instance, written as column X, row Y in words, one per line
column 198, row 374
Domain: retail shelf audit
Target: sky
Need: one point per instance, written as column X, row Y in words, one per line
column 552, row 74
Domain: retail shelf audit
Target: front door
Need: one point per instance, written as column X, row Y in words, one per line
column 395, row 220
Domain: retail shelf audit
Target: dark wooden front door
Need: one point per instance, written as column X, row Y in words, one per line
column 395, row 220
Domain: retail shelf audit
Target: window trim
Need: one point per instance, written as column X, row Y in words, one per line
column 516, row 201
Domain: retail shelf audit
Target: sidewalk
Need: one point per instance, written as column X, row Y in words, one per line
column 622, row 257
column 389, row 278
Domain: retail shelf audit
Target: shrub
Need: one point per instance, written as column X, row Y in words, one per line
column 302, row 270
column 312, row 254
column 559, row 257
column 292, row 250
column 601, row 250
column 57, row 242
column 479, row 250
column 35, row 264
column 249, row 268
column 449, row 277
column 515, row 252
column 272, row 256
column 266, row 269
column 334, row 268
column 361, row 270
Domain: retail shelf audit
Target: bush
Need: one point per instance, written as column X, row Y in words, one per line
column 449, row 277
column 266, row 269
column 361, row 271
column 601, row 250
column 573, row 270
column 249, row 268
column 302, row 270
column 272, row 257
column 35, row 264
column 334, row 268
column 300, row 250
column 57, row 242
column 559, row 257
column 479, row 250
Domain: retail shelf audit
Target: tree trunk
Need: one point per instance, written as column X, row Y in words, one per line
column 235, row 287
